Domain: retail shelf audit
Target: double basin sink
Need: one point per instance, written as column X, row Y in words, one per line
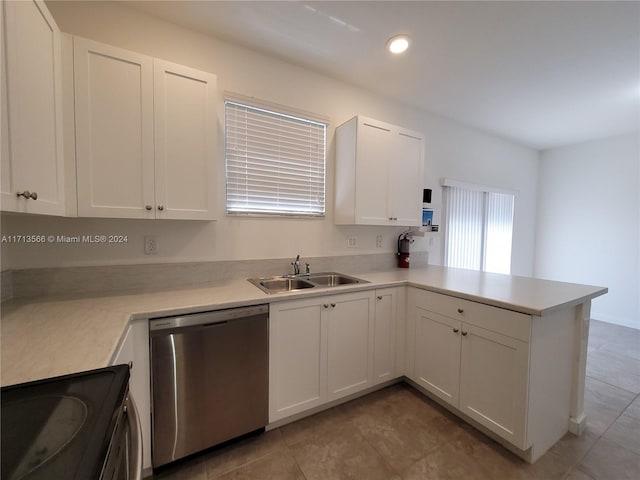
column 290, row 283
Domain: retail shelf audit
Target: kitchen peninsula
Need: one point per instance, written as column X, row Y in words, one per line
column 534, row 330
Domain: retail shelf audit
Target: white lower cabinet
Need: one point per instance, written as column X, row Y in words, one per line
column 494, row 376
column 320, row 349
column 482, row 372
column 384, row 332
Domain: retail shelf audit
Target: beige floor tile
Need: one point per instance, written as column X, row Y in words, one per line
column 277, row 465
column 603, row 404
column 633, row 410
column 577, row 474
column 614, row 369
column 401, row 442
column 192, row 469
column 313, row 426
column 446, row 463
column 615, row 339
column 493, row 459
column 562, row 457
column 341, row 454
column 607, row 461
column 243, row 452
column 626, row 433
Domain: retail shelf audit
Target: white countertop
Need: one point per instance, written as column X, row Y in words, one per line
column 42, row 338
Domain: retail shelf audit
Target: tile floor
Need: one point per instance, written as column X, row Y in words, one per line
column 397, row 433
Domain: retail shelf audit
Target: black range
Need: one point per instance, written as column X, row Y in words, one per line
column 66, row 427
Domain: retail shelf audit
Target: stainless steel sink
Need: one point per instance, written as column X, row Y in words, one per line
column 290, row 283
column 333, row 279
column 280, row 284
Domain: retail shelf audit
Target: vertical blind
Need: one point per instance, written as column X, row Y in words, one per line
column 275, row 162
column 479, row 229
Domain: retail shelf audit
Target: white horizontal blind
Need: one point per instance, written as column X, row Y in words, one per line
column 275, row 162
column 479, row 229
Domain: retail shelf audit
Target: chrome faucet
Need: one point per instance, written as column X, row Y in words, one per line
column 308, row 265
column 296, row 265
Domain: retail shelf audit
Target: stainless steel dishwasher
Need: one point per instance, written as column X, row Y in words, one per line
column 209, row 379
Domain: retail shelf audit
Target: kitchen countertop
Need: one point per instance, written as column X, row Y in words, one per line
column 46, row 337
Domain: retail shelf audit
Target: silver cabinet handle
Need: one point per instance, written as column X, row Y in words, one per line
column 325, row 305
column 456, row 330
column 27, row 194
column 333, row 305
column 148, row 207
column 160, row 207
column 464, row 334
column 379, row 297
column 460, row 310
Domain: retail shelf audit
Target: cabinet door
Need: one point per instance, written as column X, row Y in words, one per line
column 384, row 345
column 437, row 354
column 405, row 179
column 371, row 182
column 297, row 357
column 32, row 150
column 114, row 131
column 494, row 375
column 350, row 343
column 185, row 134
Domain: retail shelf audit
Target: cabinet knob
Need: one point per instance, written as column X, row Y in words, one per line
column 27, row 194
column 456, row 330
column 460, row 310
column 464, row 334
column 379, row 297
column 148, row 207
column 326, row 305
column 333, row 305
column 160, row 207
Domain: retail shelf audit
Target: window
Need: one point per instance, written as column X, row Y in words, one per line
column 479, row 227
column 275, row 162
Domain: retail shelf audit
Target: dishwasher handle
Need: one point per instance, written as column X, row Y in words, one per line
column 206, row 318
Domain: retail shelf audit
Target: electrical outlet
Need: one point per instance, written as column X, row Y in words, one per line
column 150, row 245
column 379, row 241
column 352, row 242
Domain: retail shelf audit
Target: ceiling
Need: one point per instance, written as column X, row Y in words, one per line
column 541, row 73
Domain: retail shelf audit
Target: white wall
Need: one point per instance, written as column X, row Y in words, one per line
column 589, row 222
column 452, row 150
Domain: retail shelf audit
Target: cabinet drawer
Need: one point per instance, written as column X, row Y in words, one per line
column 506, row 322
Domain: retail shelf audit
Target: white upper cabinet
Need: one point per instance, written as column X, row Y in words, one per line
column 379, row 170
column 185, row 139
column 145, row 135
column 32, row 150
column 114, row 131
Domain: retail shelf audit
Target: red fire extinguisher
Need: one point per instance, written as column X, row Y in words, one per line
column 404, row 240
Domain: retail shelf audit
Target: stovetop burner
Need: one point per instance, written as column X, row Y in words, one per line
column 61, row 427
column 68, row 415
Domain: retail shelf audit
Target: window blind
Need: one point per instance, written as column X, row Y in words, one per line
column 275, row 162
column 479, row 229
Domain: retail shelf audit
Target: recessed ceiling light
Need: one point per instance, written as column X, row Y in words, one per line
column 398, row 44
